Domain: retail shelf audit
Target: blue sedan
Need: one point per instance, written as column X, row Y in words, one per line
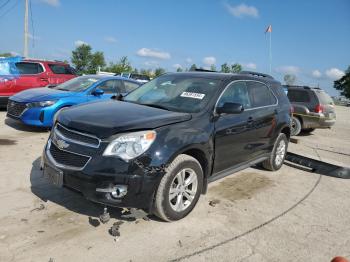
column 40, row 106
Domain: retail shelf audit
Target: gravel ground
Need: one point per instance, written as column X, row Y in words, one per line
column 253, row 215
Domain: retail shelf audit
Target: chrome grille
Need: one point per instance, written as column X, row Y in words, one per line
column 76, row 137
column 15, row 108
column 67, row 159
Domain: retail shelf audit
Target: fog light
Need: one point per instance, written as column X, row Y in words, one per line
column 117, row 191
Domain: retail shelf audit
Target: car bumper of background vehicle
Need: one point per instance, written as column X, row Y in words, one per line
column 317, row 122
column 40, row 117
column 3, row 101
column 140, row 184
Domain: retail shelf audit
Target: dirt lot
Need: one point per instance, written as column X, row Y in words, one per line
column 254, row 215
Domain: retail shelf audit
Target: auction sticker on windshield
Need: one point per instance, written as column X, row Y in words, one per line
column 193, row 95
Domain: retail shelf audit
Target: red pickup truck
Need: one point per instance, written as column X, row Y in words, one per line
column 35, row 73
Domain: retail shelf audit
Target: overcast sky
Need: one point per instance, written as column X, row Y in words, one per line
column 310, row 38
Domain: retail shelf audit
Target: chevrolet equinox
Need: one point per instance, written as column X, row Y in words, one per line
column 158, row 147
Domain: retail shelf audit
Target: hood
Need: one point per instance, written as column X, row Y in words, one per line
column 41, row 94
column 107, row 118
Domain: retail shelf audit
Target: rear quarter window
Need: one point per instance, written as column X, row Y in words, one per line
column 29, row 68
column 298, row 96
column 324, row 98
column 61, row 69
column 130, row 86
column 260, row 95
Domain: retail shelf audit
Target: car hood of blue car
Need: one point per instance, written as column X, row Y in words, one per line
column 41, row 94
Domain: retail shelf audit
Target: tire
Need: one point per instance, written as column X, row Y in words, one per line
column 295, row 126
column 278, row 154
column 171, row 193
column 308, row 130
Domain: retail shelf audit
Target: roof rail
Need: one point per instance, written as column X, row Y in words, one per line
column 255, row 74
column 204, row 70
column 304, row 87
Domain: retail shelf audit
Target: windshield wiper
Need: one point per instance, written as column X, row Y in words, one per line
column 156, row 106
column 62, row 89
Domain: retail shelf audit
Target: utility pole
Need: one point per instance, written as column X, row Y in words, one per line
column 25, row 48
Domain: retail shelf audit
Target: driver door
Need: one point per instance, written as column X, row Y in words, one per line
column 234, row 133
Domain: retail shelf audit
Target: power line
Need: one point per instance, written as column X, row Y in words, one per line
column 3, row 5
column 10, row 9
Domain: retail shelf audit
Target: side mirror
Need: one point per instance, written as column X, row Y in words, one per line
column 230, row 108
column 98, row 92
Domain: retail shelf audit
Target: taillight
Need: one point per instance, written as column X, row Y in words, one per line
column 319, row 108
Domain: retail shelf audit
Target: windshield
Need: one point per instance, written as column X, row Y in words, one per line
column 175, row 93
column 78, row 84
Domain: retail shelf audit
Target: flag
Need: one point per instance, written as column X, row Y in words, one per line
column 268, row 29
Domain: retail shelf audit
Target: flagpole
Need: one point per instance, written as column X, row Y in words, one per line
column 270, row 53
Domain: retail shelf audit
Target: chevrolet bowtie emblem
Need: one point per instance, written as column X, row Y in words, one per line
column 62, row 144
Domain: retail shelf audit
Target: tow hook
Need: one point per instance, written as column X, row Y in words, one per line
column 105, row 217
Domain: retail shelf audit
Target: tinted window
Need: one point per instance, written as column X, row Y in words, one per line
column 61, row 69
column 300, row 96
column 324, row 98
column 139, row 77
column 108, row 87
column 236, row 93
column 130, row 86
column 26, row 68
column 260, row 94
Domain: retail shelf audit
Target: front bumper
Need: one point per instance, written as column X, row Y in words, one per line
column 3, row 101
column 40, row 117
column 105, row 172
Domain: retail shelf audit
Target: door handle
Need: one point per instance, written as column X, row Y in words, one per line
column 44, row 79
column 250, row 120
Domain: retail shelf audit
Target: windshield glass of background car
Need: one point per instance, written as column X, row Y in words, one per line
column 77, row 84
column 176, row 93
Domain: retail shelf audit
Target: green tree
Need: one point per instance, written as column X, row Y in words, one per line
column 193, row 67
column 159, row 71
column 81, row 58
column 213, row 68
column 146, row 72
column 123, row 65
column 5, row 55
column 343, row 84
column 97, row 60
column 236, row 68
column 179, row 69
column 225, row 68
column 290, row 79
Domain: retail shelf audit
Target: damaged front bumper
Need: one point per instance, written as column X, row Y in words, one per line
column 108, row 180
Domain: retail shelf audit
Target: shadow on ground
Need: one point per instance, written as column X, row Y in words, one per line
column 75, row 201
column 22, row 127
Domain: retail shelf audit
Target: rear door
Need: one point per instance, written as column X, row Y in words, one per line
column 263, row 113
column 32, row 74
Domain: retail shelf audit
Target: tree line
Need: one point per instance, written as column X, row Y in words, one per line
column 87, row 62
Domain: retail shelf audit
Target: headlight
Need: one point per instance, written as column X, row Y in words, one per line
column 41, row 104
column 129, row 146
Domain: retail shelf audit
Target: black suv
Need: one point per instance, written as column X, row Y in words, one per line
column 159, row 147
column 313, row 108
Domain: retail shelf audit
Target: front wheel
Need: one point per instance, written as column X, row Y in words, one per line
column 278, row 154
column 179, row 189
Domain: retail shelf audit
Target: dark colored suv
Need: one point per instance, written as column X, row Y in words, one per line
column 160, row 146
column 313, row 108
